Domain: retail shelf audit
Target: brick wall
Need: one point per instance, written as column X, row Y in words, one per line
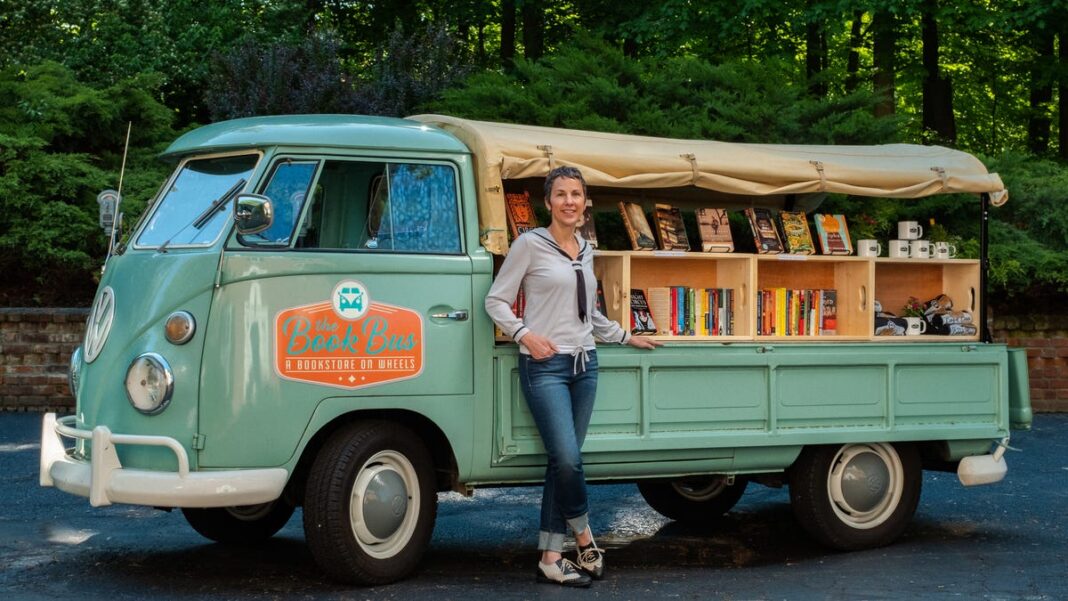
column 1046, row 339
column 35, row 348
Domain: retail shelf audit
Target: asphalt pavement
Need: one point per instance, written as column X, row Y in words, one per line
column 999, row 542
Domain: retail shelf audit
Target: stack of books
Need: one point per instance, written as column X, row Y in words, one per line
column 684, row 311
column 794, row 312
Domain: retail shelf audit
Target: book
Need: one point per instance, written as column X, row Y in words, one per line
column 670, row 228
column 641, row 318
column 641, row 235
column 833, row 234
column 765, row 233
column 660, row 308
column 586, row 228
column 796, row 233
column 602, row 306
column 797, row 312
column 829, row 312
column 521, row 217
column 715, row 230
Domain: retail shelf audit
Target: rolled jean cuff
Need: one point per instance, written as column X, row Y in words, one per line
column 551, row 541
column 579, row 523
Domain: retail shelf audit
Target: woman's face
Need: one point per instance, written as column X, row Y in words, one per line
column 566, row 201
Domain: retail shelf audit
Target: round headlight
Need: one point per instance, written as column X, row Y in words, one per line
column 74, row 370
column 149, row 383
column 180, row 327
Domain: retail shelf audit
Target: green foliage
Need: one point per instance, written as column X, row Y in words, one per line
column 591, row 85
column 60, row 144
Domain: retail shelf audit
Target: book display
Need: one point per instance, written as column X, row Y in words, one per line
column 833, row 234
column 641, row 319
column 586, row 228
column 638, row 230
column 684, row 311
column 715, row 230
column 796, row 312
column 765, row 233
column 670, row 228
column 795, row 231
column 521, row 218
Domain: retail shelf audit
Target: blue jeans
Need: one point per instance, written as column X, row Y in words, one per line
column 561, row 402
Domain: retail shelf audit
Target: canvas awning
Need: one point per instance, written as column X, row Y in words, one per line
column 505, row 151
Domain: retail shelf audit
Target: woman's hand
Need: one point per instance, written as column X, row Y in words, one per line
column 643, row 342
column 540, row 348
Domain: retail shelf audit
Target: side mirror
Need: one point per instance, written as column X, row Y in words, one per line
column 109, row 202
column 252, row 213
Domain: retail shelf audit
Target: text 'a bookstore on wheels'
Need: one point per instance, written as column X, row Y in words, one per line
column 701, row 298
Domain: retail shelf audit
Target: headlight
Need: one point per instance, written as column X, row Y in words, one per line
column 180, row 327
column 149, row 383
column 74, row 371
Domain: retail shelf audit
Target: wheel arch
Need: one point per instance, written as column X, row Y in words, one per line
column 437, row 444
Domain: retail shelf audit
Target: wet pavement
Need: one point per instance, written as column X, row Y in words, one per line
column 999, row 542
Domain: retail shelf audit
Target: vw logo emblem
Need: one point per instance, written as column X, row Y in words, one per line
column 99, row 325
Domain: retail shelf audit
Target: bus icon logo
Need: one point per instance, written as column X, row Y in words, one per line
column 350, row 299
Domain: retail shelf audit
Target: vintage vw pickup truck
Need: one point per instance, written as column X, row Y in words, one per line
column 297, row 321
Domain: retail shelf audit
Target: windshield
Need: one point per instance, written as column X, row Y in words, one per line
column 182, row 216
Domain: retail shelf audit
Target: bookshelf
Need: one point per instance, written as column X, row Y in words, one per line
column 858, row 281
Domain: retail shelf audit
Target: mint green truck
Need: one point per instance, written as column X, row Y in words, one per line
column 297, row 321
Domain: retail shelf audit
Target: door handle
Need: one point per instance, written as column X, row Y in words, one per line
column 459, row 315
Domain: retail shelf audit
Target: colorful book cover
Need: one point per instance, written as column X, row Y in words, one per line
column 601, row 305
column 830, row 312
column 521, row 218
column 641, row 235
column 670, row 227
column 796, row 233
column 586, row 228
column 641, row 318
column 765, row 232
column 715, row 230
column 833, row 234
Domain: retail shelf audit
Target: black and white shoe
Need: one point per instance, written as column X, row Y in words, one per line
column 562, row 572
column 591, row 560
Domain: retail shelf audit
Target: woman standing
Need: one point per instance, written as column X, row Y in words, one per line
column 558, row 364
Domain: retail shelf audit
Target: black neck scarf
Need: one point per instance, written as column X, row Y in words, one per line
column 580, row 280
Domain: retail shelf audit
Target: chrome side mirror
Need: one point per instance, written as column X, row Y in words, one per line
column 252, row 213
column 109, row 204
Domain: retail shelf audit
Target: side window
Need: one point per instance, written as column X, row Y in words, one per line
column 288, row 188
column 383, row 207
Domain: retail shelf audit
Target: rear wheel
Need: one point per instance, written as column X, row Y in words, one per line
column 370, row 503
column 692, row 499
column 856, row 496
column 237, row 525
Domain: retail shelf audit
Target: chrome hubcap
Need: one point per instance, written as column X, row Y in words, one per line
column 384, row 504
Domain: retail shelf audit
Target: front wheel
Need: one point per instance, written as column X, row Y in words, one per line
column 693, row 499
column 370, row 503
column 240, row 525
column 856, row 496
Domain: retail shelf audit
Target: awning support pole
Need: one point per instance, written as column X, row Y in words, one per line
column 984, row 265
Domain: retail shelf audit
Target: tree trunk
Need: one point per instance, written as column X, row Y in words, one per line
column 939, row 124
column 1062, row 92
column 853, row 62
column 884, row 52
column 1038, row 120
column 815, row 44
column 533, row 13
column 507, row 33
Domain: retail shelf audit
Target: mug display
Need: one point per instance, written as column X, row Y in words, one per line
column 920, row 249
column 869, row 248
column 899, row 249
column 909, row 230
column 944, row 250
column 916, row 326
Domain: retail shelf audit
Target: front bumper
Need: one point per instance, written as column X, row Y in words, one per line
column 105, row 481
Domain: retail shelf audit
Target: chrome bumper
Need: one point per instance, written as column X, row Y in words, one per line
column 105, row 481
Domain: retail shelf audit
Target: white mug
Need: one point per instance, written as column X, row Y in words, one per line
column 920, row 249
column 899, row 249
column 944, row 250
column 917, row 326
column 869, row 248
column 909, row 230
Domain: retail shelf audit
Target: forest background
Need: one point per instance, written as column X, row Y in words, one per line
column 986, row 76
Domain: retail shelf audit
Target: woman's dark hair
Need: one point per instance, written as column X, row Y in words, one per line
column 571, row 172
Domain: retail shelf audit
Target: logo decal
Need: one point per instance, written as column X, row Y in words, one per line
column 99, row 325
column 348, row 341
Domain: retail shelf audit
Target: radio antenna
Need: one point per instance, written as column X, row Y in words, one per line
column 116, row 223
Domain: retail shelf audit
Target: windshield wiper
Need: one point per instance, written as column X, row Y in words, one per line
column 204, row 217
